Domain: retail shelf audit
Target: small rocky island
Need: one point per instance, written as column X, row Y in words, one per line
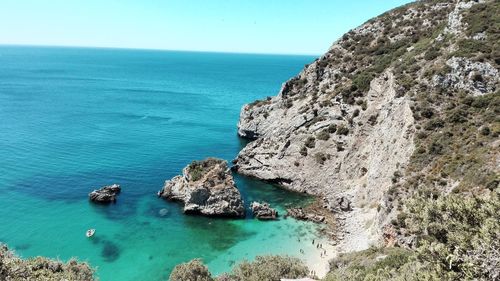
column 106, row 194
column 263, row 211
column 206, row 188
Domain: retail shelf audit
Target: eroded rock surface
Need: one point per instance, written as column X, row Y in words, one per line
column 207, row 188
column 301, row 214
column 263, row 211
column 106, row 194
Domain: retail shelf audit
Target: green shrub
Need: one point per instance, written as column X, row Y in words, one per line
column 269, row 268
column 362, row 81
column 39, row 268
column 197, row 169
column 457, row 239
column 364, row 105
column 339, row 146
column 375, row 264
column 434, row 124
column 373, row 119
column 355, row 113
column 193, row 270
column 323, row 135
column 427, row 112
column 431, row 54
column 342, row 130
column 332, row 128
column 457, row 233
column 320, row 158
column 310, row 142
column 303, row 151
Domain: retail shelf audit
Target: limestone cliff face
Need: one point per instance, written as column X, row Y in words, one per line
column 345, row 127
column 206, row 187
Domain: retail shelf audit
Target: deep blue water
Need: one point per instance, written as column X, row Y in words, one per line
column 74, row 119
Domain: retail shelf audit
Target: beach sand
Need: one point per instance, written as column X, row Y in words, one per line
column 315, row 257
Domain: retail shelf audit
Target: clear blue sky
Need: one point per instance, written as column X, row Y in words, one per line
column 255, row 26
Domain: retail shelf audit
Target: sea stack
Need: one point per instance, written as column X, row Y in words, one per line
column 263, row 211
column 206, row 188
column 106, row 194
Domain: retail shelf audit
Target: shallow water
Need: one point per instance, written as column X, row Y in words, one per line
column 75, row 119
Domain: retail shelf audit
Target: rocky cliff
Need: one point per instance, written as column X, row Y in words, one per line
column 385, row 108
column 206, row 187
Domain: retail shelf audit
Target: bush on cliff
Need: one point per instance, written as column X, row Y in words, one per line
column 269, row 268
column 263, row 268
column 193, row 270
column 457, row 238
column 16, row 269
column 458, row 234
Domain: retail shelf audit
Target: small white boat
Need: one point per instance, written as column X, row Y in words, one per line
column 90, row 232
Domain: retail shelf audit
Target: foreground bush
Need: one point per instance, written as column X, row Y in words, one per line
column 269, row 268
column 13, row 268
column 458, row 234
column 194, row 270
column 264, row 268
column 391, row 264
column 457, row 238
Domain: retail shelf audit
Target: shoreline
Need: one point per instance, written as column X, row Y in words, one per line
column 319, row 263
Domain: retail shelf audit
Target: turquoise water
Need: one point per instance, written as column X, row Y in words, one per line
column 75, row 119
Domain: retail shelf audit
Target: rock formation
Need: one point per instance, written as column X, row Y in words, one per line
column 106, row 194
column 354, row 124
column 263, row 211
column 207, row 188
column 301, row 214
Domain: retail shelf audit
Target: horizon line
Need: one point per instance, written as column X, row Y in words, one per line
column 156, row 49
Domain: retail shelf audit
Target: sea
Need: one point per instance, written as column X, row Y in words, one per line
column 75, row 119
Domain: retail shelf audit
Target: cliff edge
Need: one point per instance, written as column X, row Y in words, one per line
column 388, row 106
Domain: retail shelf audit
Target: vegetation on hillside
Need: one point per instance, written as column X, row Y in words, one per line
column 13, row 268
column 263, row 268
column 444, row 207
column 197, row 169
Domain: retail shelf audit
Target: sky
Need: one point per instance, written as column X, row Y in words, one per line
column 243, row 26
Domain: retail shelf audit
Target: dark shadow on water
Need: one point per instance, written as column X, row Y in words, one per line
column 95, row 240
column 110, row 251
column 160, row 209
column 256, row 190
column 22, row 247
column 220, row 233
column 116, row 211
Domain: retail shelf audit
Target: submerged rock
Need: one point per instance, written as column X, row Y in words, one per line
column 106, row 194
column 263, row 211
column 163, row 212
column 207, row 188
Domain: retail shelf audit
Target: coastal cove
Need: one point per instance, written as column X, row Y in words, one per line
column 76, row 119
